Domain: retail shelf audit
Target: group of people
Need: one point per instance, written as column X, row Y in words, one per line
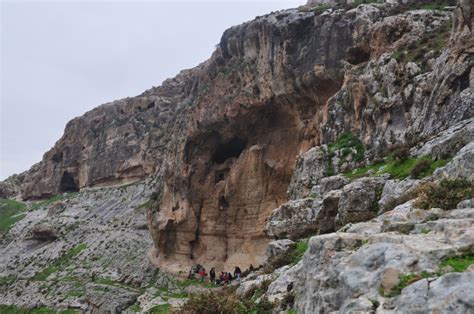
column 223, row 279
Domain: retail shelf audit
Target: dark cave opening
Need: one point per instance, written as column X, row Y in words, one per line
column 68, row 184
column 231, row 149
column 223, row 203
column 220, row 175
column 57, row 157
column 357, row 55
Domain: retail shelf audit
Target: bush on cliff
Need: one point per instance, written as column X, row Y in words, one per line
column 225, row 301
column 445, row 194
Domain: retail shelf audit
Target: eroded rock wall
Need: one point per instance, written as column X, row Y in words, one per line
column 267, row 85
column 411, row 88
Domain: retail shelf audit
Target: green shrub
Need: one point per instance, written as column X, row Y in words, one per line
column 224, row 301
column 154, row 196
column 400, row 154
column 257, row 291
column 346, row 143
column 445, row 194
column 420, row 167
column 288, row 301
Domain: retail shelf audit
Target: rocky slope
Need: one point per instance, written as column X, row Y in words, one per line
column 304, row 121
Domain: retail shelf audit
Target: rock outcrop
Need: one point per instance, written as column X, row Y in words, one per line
column 293, row 220
column 346, row 271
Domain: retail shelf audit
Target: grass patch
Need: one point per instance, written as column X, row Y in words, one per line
column 11, row 212
column 193, row 282
column 53, row 199
column 400, row 168
column 445, row 194
column 459, row 263
column 404, row 280
column 318, row 9
column 60, row 263
column 160, row 309
column 5, row 281
column 42, row 275
column 76, row 293
column 13, row 309
column 435, row 41
column 143, row 206
column 362, row 171
column 347, row 143
column 105, row 281
column 300, row 249
column 135, row 308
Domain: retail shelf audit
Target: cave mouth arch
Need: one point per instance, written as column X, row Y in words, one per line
column 230, row 149
column 68, row 184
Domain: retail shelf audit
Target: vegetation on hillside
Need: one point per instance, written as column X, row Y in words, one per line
column 11, row 211
column 60, row 263
column 434, row 41
column 445, row 194
column 226, row 301
column 399, row 167
column 13, row 309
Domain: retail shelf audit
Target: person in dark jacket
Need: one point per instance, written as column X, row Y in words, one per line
column 212, row 275
column 237, row 273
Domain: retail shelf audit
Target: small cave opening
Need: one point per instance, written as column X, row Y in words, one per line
column 68, row 184
column 58, row 157
column 357, row 55
column 223, row 203
column 231, row 149
column 168, row 239
column 220, row 175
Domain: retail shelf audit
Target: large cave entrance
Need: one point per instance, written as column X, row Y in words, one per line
column 233, row 176
column 230, row 149
column 68, row 184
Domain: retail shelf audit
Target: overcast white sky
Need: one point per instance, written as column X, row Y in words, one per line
column 60, row 59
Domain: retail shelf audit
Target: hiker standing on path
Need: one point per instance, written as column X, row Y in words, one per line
column 237, row 273
column 212, row 275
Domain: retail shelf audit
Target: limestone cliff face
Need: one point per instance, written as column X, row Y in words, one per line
column 221, row 140
column 267, row 86
column 410, row 88
column 118, row 142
